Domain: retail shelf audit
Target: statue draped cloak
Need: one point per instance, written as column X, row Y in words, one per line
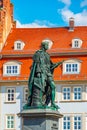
column 43, row 65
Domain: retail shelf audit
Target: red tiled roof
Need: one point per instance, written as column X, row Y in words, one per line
column 32, row 38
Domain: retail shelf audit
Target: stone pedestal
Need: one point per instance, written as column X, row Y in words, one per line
column 40, row 119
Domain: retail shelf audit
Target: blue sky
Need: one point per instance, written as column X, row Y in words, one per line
column 49, row 13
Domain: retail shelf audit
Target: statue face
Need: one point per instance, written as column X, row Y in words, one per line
column 46, row 46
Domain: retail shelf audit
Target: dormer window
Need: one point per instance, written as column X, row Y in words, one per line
column 19, row 45
column 76, row 43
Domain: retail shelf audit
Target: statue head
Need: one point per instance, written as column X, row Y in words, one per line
column 46, row 44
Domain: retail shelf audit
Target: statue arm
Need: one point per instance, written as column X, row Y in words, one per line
column 56, row 65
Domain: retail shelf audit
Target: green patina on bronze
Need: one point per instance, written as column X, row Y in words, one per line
column 40, row 107
column 41, row 84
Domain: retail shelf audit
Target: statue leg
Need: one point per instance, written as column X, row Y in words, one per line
column 29, row 100
column 52, row 86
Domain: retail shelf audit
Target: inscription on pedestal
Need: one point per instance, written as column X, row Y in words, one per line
column 54, row 127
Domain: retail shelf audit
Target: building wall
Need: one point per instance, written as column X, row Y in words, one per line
column 6, row 21
column 73, row 108
column 69, row 106
column 86, row 121
column 12, row 108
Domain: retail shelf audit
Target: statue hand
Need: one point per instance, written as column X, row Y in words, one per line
column 62, row 61
column 59, row 63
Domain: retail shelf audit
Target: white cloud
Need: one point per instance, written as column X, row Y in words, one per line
column 35, row 24
column 80, row 18
column 83, row 3
column 66, row 2
column 66, row 13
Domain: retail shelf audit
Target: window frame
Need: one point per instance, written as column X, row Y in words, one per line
column 67, row 99
column 10, row 101
column 67, row 122
column 72, row 99
column 10, row 70
column 11, row 115
column 69, row 66
column 77, row 94
column 25, row 94
column 76, row 41
column 77, row 123
column 19, row 46
column 16, row 46
column 76, row 44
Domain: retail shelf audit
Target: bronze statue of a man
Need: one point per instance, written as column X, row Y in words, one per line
column 41, row 83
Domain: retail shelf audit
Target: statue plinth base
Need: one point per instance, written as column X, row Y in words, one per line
column 40, row 119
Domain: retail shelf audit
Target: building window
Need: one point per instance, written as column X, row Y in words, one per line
column 66, row 123
column 77, row 93
column 76, row 43
column 77, row 123
column 66, row 93
column 25, row 94
column 10, row 95
column 74, row 95
column 71, row 67
column 9, row 122
column 18, row 45
column 11, row 68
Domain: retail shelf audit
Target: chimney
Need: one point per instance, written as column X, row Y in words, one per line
column 71, row 24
